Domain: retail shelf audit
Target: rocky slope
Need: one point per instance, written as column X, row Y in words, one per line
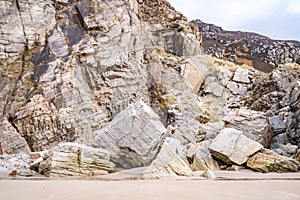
column 104, row 83
column 250, row 48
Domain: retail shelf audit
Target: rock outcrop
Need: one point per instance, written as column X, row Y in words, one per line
column 252, row 49
column 133, row 137
column 72, row 159
column 167, row 163
column 232, row 147
column 278, row 94
column 69, row 67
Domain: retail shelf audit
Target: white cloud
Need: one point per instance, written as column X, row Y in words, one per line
column 293, row 6
column 275, row 18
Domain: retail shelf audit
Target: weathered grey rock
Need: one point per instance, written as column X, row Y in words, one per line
column 167, row 163
column 279, row 92
column 72, row 159
column 212, row 129
column 252, row 123
column 241, row 75
column 269, row 161
column 40, row 121
column 214, row 88
column 277, row 124
column 22, row 172
column 11, row 142
column 231, row 146
column 203, row 159
column 194, row 72
column 133, row 137
column 87, row 61
column 224, row 76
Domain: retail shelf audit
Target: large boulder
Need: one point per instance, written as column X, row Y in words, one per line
column 72, row 159
column 269, row 161
column 232, row 147
column 133, row 137
column 253, row 124
column 167, row 163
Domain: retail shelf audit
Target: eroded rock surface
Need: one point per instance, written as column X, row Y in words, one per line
column 133, row 137
column 269, row 161
column 72, row 159
column 83, row 62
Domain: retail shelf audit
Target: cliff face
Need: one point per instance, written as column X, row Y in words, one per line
column 125, row 75
column 252, row 49
column 68, row 67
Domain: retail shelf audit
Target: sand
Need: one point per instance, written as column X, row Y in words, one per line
column 157, row 189
column 244, row 185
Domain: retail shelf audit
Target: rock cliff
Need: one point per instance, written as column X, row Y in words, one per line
column 69, row 67
column 96, row 82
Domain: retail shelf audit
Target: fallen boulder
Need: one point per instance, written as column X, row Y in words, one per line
column 253, row 124
column 232, row 147
column 72, row 159
column 269, row 161
column 167, row 163
column 133, row 137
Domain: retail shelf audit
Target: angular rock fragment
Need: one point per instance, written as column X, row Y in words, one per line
column 11, row 141
column 241, row 75
column 72, row 159
column 203, row 159
column 277, row 124
column 133, row 137
column 252, row 123
column 269, row 161
column 231, row 146
column 167, row 163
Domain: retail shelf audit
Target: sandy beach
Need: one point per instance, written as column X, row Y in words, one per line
column 157, row 189
column 229, row 185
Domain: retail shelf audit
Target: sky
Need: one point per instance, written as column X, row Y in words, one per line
column 278, row 19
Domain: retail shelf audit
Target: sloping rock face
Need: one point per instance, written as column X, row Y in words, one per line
column 72, row 159
column 232, row 147
column 278, row 95
column 167, row 163
column 269, row 161
column 82, row 62
column 133, row 137
column 253, row 49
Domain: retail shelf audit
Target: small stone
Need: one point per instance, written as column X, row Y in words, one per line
column 209, row 174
